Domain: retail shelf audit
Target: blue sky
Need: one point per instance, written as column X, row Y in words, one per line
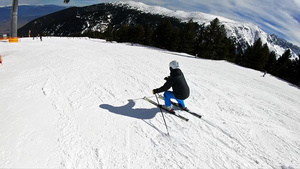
column 273, row 16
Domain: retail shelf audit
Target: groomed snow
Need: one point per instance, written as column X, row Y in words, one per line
column 77, row 103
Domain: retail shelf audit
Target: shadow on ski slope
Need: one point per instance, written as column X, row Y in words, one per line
column 128, row 110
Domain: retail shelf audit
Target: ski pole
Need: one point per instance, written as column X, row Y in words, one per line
column 162, row 114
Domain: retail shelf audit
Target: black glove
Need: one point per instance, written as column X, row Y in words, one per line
column 166, row 78
column 154, row 91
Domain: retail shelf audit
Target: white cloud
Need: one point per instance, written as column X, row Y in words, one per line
column 297, row 3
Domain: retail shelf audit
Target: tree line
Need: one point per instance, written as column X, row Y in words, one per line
column 259, row 57
column 206, row 41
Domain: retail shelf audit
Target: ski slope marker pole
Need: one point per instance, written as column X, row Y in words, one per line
column 162, row 115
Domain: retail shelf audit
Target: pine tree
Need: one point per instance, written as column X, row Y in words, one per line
column 230, row 54
column 256, row 56
column 148, row 36
column 295, row 77
column 216, row 38
column 297, row 66
column 264, row 57
column 271, row 63
column 174, row 42
column 284, row 65
column 212, row 42
column 188, row 38
column 163, row 34
column 123, row 33
column 109, row 33
column 200, row 47
column 137, row 34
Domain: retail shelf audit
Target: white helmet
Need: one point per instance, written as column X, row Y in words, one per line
column 174, row 64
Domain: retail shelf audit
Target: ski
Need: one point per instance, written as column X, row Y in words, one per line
column 177, row 105
column 166, row 110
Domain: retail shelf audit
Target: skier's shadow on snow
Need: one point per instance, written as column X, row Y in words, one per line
column 128, row 110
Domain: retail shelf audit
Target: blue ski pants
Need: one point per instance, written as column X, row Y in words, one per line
column 168, row 95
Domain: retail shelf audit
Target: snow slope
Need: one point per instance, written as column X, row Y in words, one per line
column 77, row 103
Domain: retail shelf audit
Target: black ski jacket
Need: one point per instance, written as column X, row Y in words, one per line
column 178, row 83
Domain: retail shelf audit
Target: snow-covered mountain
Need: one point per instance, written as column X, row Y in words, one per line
column 77, row 21
column 245, row 33
column 77, row 103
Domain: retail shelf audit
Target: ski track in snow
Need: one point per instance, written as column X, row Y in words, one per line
column 77, row 103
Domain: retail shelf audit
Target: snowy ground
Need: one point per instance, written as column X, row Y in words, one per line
column 77, row 103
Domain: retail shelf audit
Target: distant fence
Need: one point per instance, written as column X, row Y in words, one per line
column 9, row 39
column 4, row 38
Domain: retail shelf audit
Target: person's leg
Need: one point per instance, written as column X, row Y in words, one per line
column 168, row 95
column 181, row 102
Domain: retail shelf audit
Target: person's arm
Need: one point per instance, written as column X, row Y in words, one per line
column 170, row 81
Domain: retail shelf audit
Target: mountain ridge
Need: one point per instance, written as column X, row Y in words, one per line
column 97, row 17
column 234, row 28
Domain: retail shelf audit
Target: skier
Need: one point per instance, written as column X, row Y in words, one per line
column 179, row 85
